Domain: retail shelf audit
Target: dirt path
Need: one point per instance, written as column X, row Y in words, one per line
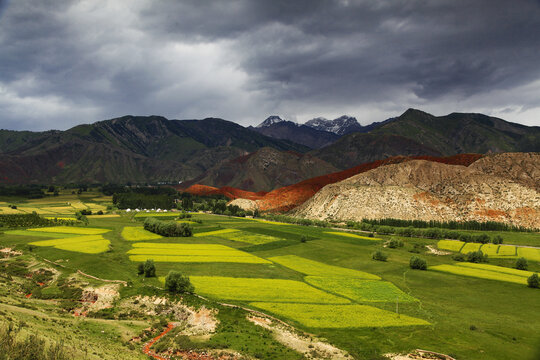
column 148, row 345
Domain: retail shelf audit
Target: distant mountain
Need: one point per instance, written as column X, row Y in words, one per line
column 341, row 126
column 263, row 170
column 418, row 133
column 271, row 120
column 301, row 134
column 128, row 149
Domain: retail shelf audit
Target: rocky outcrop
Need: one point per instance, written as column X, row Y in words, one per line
column 426, row 190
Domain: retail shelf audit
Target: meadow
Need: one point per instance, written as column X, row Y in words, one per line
column 321, row 281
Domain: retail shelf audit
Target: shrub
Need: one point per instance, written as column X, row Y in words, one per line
column 477, row 257
column 177, row 283
column 459, row 257
column 149, row 268
column 304, row 238
column 379, row 256
column 417, row 248
column 418, row 263
column 394, row 243
column 465, row 237
column 533, row 281
column 497, row 239
column 521, row 264
column 140, row 269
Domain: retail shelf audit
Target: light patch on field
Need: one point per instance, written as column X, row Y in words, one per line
column 338, row 316
column 351, row 235
column 311, row 267
column 215, row 232
column 479, row 273
column 203, row 253
column 103, row 216
column 71, row 230
column 251, row 289
column 250, row 238
column 91, row 244
column 360, row 290
column 271, row 222
column 9, row 211
column 186, row 222
column 138, row 233
column 452, row 245
column 60, row 218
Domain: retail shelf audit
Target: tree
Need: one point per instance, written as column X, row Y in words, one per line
column 521, row 264
column 533, row 281
column 177, row 283
column 149, row 268
column 418, row 263
column 477, row 257
column 140, row 269
column 379, row 256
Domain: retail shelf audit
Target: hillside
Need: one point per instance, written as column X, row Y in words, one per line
column 289, row 197
column 263, row 170
column 418, row 133
column 426, row 190
column 128, row 149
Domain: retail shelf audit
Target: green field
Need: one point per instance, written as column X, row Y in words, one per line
column 323, row 282
column 339, row 316
column 360, row 290
column 253, row 289
column 310, row 267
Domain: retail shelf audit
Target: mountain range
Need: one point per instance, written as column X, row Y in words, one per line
column 216, row 152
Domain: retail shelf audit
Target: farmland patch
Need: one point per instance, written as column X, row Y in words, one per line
column 338, row 316
column 137, row 233
column 91, row 244
column 311, row 267
column 215, row 232
column 479, row 273
column 71, row 230
column 351, row 235
column 452, row 245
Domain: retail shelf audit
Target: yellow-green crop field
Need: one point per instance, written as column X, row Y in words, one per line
column 351, row 235
column 529, row 253
column 479, row 273
column 270, row 222
column 490, row 249
column 38, row 234
column 470, row 247
column 9, row 211
column 500, row 269
column 507, row 250
column 91, row 244
column 338, row 316
column 215, row 232
column 253, row 289
column 452, row 245
column 360, row 290
column 71, row 230
column 138, row 233
column 104, row 216
column 60, row 218
column 249, row 238
column 203, row 253
column 310, row 267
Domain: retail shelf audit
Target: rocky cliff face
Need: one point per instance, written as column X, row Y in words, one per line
column 426, row 190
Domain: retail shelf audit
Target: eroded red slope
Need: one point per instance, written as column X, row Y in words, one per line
column 289, row 197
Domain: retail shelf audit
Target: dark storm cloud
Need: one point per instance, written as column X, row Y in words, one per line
column 71, row 61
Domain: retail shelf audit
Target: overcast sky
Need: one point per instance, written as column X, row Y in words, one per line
column 66, row 62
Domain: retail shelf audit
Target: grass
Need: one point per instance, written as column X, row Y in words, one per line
column 311, row 267
column 479, row 273
column 38, row 234
column 137, row 233
column 215, row 232
column 254, row 289
column 351, row 235
column 360, row 290
column 339, row 316
column 71, row 230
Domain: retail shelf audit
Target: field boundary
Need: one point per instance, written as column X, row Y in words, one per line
column 105, row 280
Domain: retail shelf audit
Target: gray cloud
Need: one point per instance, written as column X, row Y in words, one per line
column 67, row 62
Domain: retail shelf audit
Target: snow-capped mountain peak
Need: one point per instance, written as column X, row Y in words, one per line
column 271, row 120
column 342, row 125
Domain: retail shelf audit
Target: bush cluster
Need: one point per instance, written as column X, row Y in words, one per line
column 379, row 256
column 418, row 263
column 477, row 257
column 168, row 228
column 177, row 283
